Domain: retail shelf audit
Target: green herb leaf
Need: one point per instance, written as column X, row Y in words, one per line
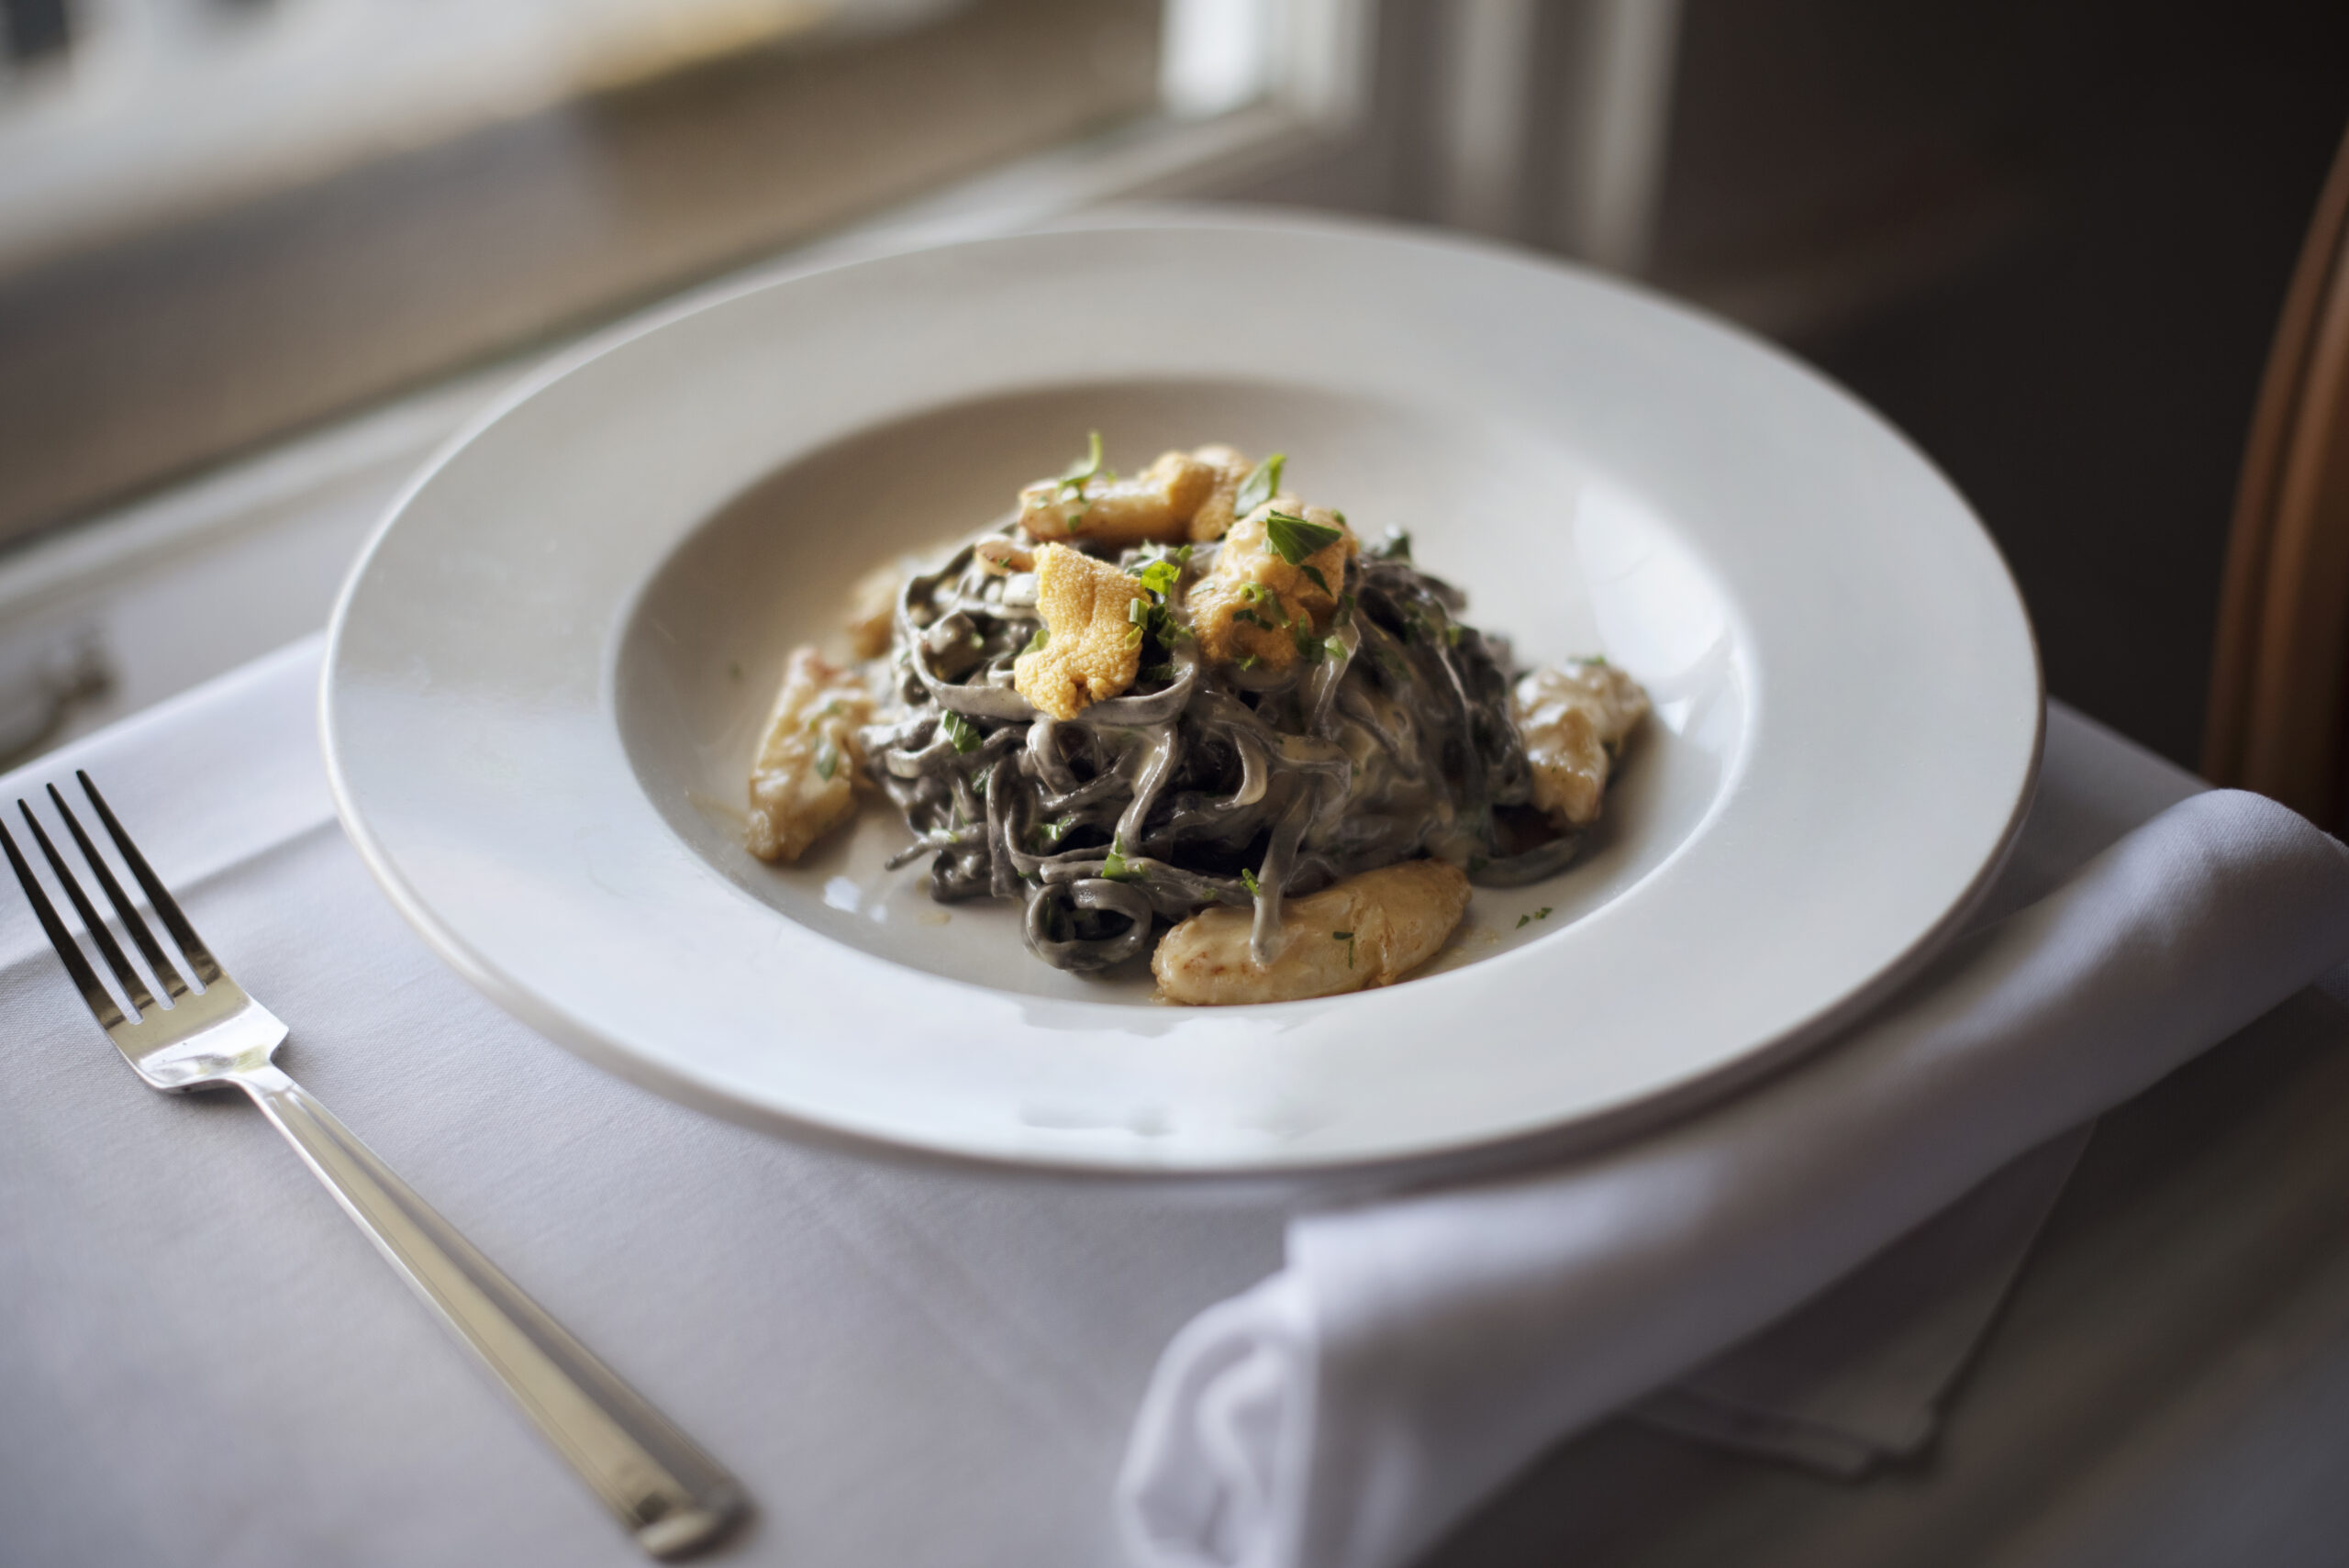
column 1313, row 575
column 1036, row 643
column 1523, row 921
column 1542, row 913
column 1294, row 538
column 1396, row 546
column 1347, row 937
column 1157, row 672
column 1160, row 576
column 1248, row 881
column 1452, row 634
column 1117, row 868
column 1263, row 482
column 1085, row 467
column 827, row 760
column 960, row 730
column 1334, row 646
column 1345, row 610
column 1249, row 661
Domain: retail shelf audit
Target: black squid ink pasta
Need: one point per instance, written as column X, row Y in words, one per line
column 1388, row 738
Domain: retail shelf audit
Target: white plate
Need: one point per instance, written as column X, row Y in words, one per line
column 547, row 675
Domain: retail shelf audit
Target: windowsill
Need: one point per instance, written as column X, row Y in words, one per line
column 198, row 577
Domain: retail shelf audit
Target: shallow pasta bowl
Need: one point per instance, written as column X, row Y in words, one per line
column 547, row 675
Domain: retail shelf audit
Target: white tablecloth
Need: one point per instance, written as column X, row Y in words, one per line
column 206, row 1364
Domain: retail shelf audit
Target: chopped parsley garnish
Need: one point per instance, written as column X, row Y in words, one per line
column 960, row 730
column 1048, row 835
column 1294, row 538
column 1345, row 610
column 1347, row 937
column 1036, row 643
column 1117, row 868
column 1452, row 634
column 1249, row 661
column 1158, row 672
column 1313, row 575
column 1149, row 616
column 1248, row 881
column 827, row 760
column 1541, row 914
column 1263, row 481
column 1160, row 576
column 1087, row 467
column 1590, row 659
column 1334, row 646
column 1076, row 477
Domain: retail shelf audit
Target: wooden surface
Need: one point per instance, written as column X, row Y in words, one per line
column 2277, row 716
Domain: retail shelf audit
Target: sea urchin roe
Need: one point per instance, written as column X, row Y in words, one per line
column 1573, row 720
column 1092, row 646
column 804, row 781
column 1257, row 603
column 1370, row 929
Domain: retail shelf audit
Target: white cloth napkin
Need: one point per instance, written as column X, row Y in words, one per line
column 1413, row 1354
column 1857, row 1376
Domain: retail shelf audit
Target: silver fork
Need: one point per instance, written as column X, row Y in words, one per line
column 662, row 1487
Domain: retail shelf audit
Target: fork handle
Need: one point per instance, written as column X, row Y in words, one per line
column 664, row 1489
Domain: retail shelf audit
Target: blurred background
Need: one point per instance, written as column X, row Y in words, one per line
column 257, row 257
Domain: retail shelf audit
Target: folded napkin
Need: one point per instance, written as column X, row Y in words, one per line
column 1415, row 1353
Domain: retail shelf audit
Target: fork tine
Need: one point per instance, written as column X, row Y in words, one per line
column 173, row 985
column 69, row 952
column 133, row 987
column 199, row 957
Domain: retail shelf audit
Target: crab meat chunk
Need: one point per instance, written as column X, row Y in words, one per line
column 803, row 782
column 1155, row 507
column 1220, row 509
column 1093, row 645
column 1370, row 929
column 1254, row 605
column 873, row 607
column 1573, row 720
